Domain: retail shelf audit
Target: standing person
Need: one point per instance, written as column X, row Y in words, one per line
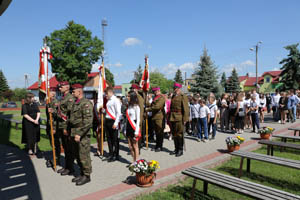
column 178, row 117
column 63, row 127
column 112, row 119
column 240, row 114
column 30, row 124
column 269, row 102
column 254, row 113
column 261, row 107
column 158, row 117
column 213, row 116
column 298, row 106
column 52, row 107
column 283, row 101
column 133, row 130
column 167, row 111
column 203, row 121
column 81, row 121
column 194, row 112
column 224, row 114
column 232, row 111
column 275, row 106
column 254, row 93
column 96, row 126
column 247, row 110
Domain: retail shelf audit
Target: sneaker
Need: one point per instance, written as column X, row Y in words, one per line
column 203, row 140
column 279, row 121
column 198, row 139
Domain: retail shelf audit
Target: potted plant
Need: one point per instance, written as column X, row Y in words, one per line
column 266, row 132
column 233, row 143
column 145, row 172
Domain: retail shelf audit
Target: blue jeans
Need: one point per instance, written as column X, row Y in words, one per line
column 202, row 125
column 255, row 121
column 213, row 126
column 294, row 109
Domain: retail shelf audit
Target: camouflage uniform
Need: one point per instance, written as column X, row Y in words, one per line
column 53, row 104
column 179, row 114
column 158, row 119
column 81, row 122
column 64, row 110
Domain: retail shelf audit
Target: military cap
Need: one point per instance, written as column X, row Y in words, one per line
column 177, row 85
column 135, row 86
column 155, row 89
column 62, row 83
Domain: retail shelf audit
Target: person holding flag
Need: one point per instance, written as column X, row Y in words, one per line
column 133, row 130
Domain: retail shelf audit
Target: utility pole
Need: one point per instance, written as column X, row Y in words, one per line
column 256, row 61
column 26, row 80
column 103, row 24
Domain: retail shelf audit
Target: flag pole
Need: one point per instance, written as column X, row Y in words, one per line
column 146, row 68
column 102, row 112
column 48, row 102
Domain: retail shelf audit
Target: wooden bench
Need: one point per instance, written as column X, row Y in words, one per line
column 235, row 185
column 295, row 130
column 285, row 137
column 271, row 145
column 264, row 158
column 9, row 120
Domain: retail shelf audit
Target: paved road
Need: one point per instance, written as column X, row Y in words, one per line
column 29, row 178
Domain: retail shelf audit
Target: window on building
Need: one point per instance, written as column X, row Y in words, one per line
column 268, row 79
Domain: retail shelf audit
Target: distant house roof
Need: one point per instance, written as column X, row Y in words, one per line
column 53, row 84
column 93, row 74
column 251, row 81
column 272, row 73
column 242, row 78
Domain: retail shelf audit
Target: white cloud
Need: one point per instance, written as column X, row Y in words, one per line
column 275, row 69
column 118, row 64
column 170, row 69
column 241, row 68
column 132, row 41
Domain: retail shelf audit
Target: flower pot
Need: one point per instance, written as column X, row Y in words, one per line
column 265, row 136
column 237, row 147
column 143, row 180
column 232, row 148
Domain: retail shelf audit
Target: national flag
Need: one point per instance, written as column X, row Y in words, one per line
column 101, row 87
column 45, row 56
column 145, row 81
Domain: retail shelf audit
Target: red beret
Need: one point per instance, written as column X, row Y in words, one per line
column 155, row 89
column 63, row 83
column 77, row 86
column 135, row 86
column 177, row 85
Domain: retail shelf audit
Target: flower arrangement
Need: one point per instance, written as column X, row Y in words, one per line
column 144, row 167
column 266, row 130
column 233, row 141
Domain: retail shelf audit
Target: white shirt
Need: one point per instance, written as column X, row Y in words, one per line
column 134, row 114
column 213, row 108
column 113, row 106
column 247, row 103
column 195, row 110
column 275, row 100
column 262, row 102
column 253, row 104
column 242, row 104
column 204, row 111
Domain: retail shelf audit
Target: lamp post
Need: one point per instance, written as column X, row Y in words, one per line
column 256, row 63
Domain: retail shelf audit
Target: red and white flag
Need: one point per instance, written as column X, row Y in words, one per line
column 101, row 87
column 45, row 56
column 145, row 81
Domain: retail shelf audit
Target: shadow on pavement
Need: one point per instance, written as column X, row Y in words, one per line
column 17, row 175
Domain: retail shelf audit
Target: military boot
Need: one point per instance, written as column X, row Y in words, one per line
column 83, row 180
column 76, row 179
column 176, row 146
column 180, row 147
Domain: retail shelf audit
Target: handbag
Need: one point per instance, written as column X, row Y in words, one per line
column 241, row 113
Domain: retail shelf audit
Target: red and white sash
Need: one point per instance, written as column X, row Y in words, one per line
column 111, row 115
column 133, row 125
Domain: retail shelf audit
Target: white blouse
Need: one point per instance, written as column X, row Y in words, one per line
column 134, row 114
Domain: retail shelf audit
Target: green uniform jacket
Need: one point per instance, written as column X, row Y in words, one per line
column 157, row 108
column 81, row 119
column 53, row 104
column 64, row 110
column 179, row 108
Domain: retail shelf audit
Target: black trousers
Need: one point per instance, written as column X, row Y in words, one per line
column 112, row 137
column 56, row 143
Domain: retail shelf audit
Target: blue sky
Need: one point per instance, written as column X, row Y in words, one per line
column 172, row 32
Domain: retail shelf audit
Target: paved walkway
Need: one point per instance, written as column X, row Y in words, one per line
column 26, row 177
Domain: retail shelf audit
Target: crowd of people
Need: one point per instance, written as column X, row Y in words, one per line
column 141, row 114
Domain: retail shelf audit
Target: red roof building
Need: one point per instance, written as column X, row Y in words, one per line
column 53, row 84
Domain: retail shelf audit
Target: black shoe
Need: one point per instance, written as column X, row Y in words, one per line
column 112, row 159
column 158, row 149
column 49, row 163
column 83, row 180
column 116, row 158
column 174, row 152
column 67, row 172
column 179, row 153
column 60, row 170
column 76, row 179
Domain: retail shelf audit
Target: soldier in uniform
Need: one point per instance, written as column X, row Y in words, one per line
column 158, row 117
column 63, row 114
column 178, row 117
column 136, row 88
column 52, row 108
column 81, row 122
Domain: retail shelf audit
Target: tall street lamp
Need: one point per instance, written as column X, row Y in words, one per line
column 256, row 51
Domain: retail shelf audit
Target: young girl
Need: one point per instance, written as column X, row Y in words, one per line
column 262, row 105
column 232, row 111
column 213, row 116
column 254, row 113
column 240, row 114
column 132, row 124
column 248, row 113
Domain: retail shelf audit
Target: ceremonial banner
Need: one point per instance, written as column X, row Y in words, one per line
column 145, row 81
column 101, row 87
column 45, row 56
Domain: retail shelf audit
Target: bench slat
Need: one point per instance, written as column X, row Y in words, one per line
column 280, row 144
column 294, row 129
column 287, row 136
column 238, row 185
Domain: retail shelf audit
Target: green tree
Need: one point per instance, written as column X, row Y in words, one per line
column 3, row 84
column 137, row 76
column 74, row 51
column 109, row 77
column 233, row 84
column 223, row 81
column 19, row 94
column 206, row 77
column 178, row 77
column 291, row 68
column 157, row 79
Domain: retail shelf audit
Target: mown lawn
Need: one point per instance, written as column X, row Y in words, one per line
column 275, row 176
